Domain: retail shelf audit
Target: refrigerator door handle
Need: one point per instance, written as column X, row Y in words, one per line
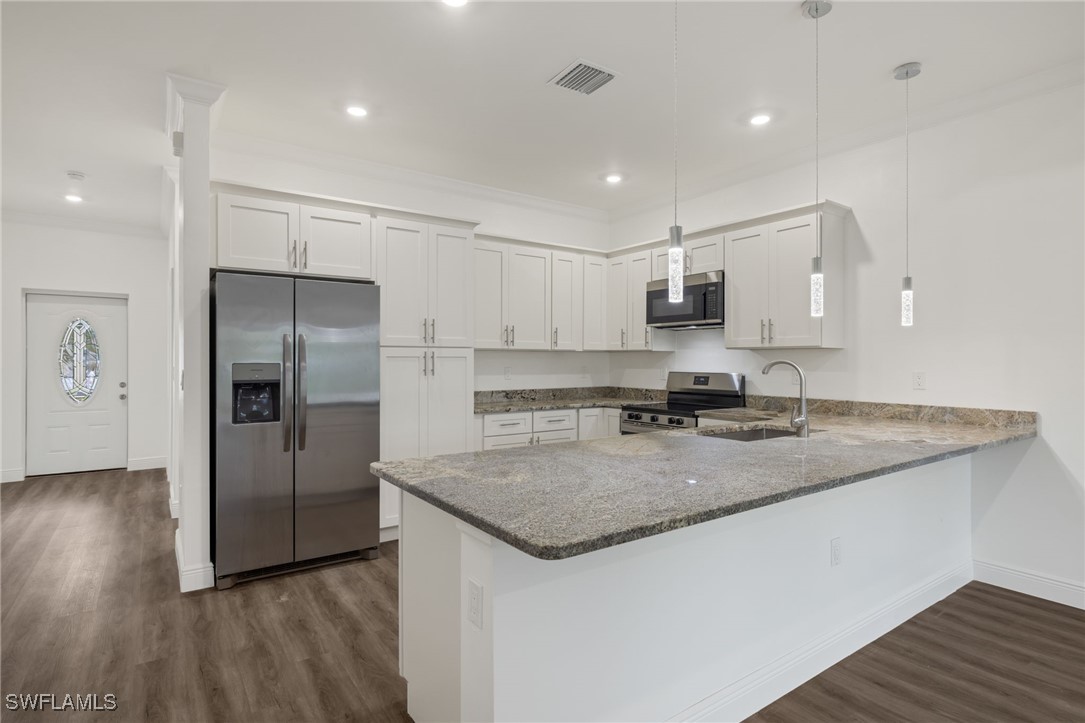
column 303, row 392
column 288, row 393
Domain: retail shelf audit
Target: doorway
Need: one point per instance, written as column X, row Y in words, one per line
column 76, row 383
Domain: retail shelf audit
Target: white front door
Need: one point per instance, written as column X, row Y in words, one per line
column 76, row 383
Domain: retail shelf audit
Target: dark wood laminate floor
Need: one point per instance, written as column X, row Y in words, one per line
column 982, row 654
column 89, row 603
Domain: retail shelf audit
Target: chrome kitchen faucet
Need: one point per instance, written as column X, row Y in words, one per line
column 798, row 413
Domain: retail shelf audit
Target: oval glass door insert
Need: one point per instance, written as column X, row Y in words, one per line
column 80, row 361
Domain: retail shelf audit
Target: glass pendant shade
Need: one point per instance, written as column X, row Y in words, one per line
column 817, row 288
column 676, row 264
column 906, row 302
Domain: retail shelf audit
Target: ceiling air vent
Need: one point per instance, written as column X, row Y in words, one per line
column 583, row 77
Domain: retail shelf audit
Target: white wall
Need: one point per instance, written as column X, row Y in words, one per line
column 502, row 213
column 115, row 261
column 997, row 257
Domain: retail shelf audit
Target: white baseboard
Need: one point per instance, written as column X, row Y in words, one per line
column 17, row 474
column 175, row 507
column 750, row 694
column 197, row 577
column 1048, row 587
column 389, row 533
column 139, row 463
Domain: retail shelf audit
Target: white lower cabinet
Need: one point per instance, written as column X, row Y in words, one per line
column 599, row 422
column 427, row 408
column 523, row 429
column 613, row 419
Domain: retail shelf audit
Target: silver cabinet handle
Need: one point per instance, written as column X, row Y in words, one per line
column 623, row 338
column 293, row 259
column 538, row 440
column 433, row 363
column 555, row 344
column 647, row 343
column 506, row 334
column 512, row 336
column 303, row 392
column 424, row 327
column 288, row 393
column 124, row 396
column 770, row 330
column 531, row 440
column 424, row 364
column 433, row 331
column 762, row 331
column 555, row 421
column 508, row 424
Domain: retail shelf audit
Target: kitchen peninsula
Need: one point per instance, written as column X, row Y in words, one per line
column 538, row 584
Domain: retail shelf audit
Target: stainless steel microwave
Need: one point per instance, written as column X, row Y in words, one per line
column 701, row 306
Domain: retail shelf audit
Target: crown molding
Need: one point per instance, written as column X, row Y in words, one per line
column 1047, row 81
column 14, row 216
column 338, row 163
column 181, row 89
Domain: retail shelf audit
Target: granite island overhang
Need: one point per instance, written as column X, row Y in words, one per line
column 538, row 583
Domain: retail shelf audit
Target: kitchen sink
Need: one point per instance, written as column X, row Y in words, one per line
column 752, row 435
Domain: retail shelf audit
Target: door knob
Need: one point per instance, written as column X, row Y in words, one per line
column 124, row 396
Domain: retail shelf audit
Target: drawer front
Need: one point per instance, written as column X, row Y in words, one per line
column 506, row 441
column 552, row 421
column 555, row 437
column 512, row 423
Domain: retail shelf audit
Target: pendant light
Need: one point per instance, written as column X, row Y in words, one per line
column 676, row 254
column 906, row 72
column 816, row 9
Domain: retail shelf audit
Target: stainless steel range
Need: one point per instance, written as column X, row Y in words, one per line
column 687, row 394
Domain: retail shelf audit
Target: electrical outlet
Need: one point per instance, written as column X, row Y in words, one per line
column 508, row 372
column 834, row 552
column 474, row 603
column 919, row 380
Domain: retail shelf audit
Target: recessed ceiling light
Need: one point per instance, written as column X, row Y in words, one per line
column 455, row 3
column 73, row 198
column 614, row 178
column 357, row 111
column 760, row 119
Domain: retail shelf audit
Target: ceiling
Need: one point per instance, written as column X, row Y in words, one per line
column 463, row 92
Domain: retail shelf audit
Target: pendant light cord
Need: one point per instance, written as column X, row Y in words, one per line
column 817, row 120
column 675, row 112
column 907, row 175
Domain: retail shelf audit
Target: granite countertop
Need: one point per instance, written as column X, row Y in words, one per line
column 561, row 500
column 539, row 405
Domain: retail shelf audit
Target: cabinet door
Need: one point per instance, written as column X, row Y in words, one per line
column 659, row 264
column 336, row 243
column 451, row 401
column 704, row 254
column 403, row 416
column 792, row 244
column 451, row 274
column 591, row 424
column 595, row 303
column 640, row 273
column 257, row 234
column 617, row 302
column 529, row 298
column 567, row 301
column 745, row 288
column 403, row 273
column 490, row 295
column 613, row 418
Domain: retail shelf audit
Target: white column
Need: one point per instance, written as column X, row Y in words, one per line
column 190, row 112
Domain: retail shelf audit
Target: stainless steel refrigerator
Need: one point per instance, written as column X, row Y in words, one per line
column 296, row 405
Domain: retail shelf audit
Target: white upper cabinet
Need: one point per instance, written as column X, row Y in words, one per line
column 595, row 303
column 701, row 255
column 529, row 298
column 264, row 235
column 767, row 284
column 337, row 243
column 627, row 304
column 425, row 274
column 257, row 234
column 567, row 301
